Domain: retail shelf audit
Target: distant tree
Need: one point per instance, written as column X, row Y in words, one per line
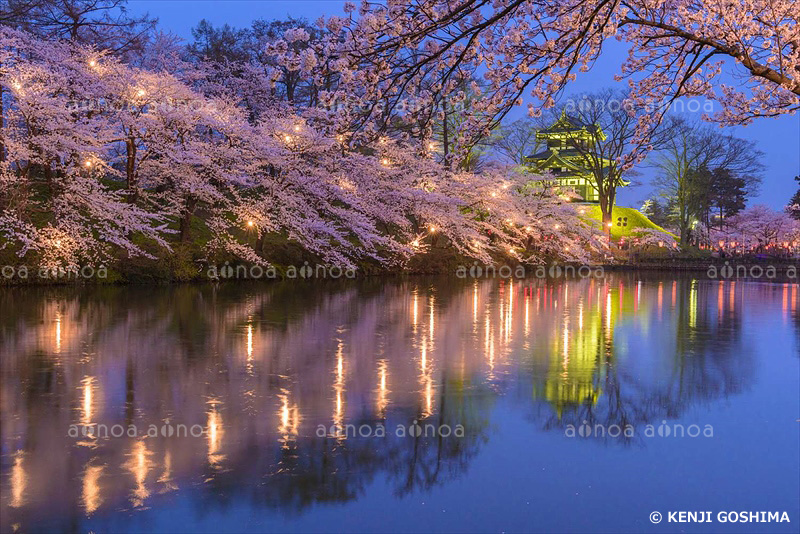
column 728, row 195
column 104, row 24
column 656, row 211
column 715, row 193
column 517, row 140
column 684, row 182
column 221, row 44
column 295, row 36
column 794, row 203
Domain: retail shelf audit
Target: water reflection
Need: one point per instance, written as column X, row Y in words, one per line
column 257, row 371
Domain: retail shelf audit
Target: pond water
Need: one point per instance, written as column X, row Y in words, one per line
column 408, row 404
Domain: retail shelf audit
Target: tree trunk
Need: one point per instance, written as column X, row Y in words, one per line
column 186, row 219
column 260, row 243
column 606, row 194
column 130, row 171
column 606, row 207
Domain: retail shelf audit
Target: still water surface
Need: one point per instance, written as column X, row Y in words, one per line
column 423, row 404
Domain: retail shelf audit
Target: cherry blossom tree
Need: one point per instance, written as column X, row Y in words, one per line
column 759, row 228
column 389, row 201
column 53, row 201
column 417, row 50
column 107, row 160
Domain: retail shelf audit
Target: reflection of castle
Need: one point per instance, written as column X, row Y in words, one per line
column 580, row 354
column 573, row 378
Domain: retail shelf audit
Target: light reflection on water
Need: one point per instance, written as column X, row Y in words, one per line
column 270, row 376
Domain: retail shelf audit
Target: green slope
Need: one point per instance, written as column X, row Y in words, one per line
column 636, row 220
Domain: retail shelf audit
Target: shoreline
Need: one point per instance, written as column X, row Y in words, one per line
column 778, row 270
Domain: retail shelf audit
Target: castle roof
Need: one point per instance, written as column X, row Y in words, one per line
column 561, row 152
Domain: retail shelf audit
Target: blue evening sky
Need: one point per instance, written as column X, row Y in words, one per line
column 778, row 138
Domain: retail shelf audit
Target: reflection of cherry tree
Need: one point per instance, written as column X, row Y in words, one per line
column 261, row 368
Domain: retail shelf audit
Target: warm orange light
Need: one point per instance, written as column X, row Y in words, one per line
column 250, row 223
column 432, row 228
